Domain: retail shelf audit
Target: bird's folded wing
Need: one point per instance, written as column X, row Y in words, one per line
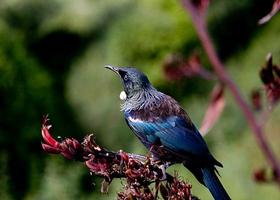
column 174, row 133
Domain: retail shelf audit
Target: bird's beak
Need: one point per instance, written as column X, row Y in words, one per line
column 113, row 68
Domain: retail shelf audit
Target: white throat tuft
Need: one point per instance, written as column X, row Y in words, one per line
column 123, row 96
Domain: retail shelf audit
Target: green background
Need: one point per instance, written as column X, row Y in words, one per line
column 52, row 57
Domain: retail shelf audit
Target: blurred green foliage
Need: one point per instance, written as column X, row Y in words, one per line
column 52, row 57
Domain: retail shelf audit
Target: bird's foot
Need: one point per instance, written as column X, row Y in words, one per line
column 163, row 170
column 162, row 166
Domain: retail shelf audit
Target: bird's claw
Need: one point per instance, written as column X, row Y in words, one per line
column 163, row 170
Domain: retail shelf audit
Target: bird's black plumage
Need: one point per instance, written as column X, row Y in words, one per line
column 166, row 129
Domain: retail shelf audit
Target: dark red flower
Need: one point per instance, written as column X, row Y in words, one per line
column 270, row 77
column 69, row 148
column 176, row 68
column 256, row 99
column 260, row 176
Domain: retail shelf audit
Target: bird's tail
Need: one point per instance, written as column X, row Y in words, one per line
column 214, row 185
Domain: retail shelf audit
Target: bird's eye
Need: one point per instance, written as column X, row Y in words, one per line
column 125, row 77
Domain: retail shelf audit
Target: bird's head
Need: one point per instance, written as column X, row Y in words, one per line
column 133, row 80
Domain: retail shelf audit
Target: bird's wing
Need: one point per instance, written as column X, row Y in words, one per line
column 174, row 133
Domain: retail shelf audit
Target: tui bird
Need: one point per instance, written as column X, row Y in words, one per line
column 166, row 129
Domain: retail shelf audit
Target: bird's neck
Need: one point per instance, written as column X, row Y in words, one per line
column 141, row 99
